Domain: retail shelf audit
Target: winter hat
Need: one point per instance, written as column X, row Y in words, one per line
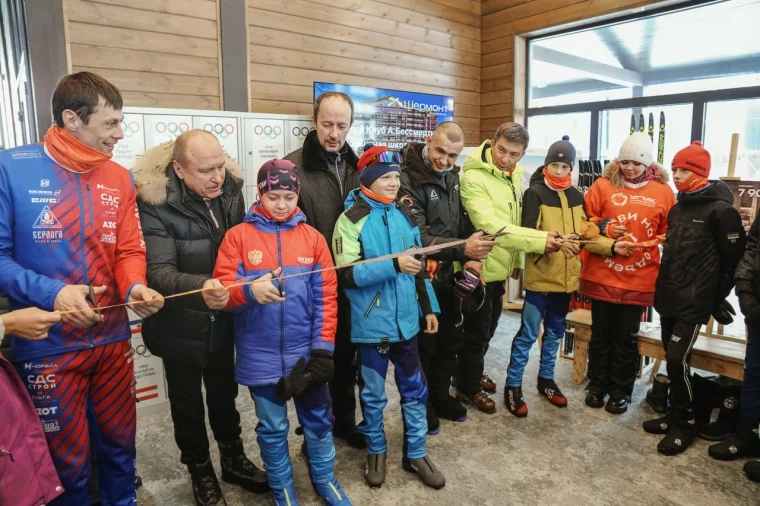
column 694, row 158
column 278, row 174
column 638, row 147
column 375, row 162
column 561, row 151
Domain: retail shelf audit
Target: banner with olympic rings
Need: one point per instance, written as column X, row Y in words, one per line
column 163, row 128
column 133, row 144
column 224, row 129
column 268, row 141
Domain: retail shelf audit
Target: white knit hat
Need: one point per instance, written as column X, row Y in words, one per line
column 638, row 147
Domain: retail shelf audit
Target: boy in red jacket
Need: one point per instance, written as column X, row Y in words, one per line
column 284, row 329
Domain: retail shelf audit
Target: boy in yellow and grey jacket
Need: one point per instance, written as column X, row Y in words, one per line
column 550, row 204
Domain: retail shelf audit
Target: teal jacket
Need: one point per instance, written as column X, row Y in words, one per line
column 386, row 305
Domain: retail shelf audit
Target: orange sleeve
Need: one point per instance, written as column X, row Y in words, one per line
column 228, row 269
column 130, row 265
column 324, row 287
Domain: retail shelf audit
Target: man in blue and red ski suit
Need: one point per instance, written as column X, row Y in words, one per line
column 68, row 219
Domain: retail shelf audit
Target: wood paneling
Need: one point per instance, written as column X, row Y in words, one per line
column 426, row 46
column 159, row 53
column 502, row 68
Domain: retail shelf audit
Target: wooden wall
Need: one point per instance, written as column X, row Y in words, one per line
column 502, row 21
column 427, row 46
column 159, row 53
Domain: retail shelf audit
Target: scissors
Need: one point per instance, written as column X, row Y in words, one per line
column 91, row 299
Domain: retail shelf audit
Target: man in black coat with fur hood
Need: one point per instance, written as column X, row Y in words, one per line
column 430, row 185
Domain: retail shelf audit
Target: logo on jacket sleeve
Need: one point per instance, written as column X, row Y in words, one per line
column 433, row 195
column 306, row 260
column 255, row 257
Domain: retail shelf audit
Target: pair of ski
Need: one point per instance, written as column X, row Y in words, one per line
column 650, row 130
column 588, row 172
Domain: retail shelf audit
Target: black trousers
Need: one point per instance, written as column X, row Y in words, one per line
column 678, row 338
column 186, row 401
column 343, row 384
column 613, row 353
column 438, row 352
column 479, row 328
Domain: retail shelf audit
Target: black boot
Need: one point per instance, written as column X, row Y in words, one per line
column 206, row 488
column 742, row 444
column 658, row 425
column 752, row 470
column 237, row 469
column 351, row 435
column 657, row 396
column 676, row 440
column 433, row 424
column 450, row 409
column 725, row 424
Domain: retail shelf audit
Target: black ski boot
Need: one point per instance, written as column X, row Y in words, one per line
column 744, row 443
column 725, row 424
column 206, row 490
column 657, row 396
column 237, row 469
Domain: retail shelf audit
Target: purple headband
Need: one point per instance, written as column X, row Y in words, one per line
column 278, row 174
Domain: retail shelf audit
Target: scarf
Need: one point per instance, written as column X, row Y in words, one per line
column 694, row 183
column 557, row 183
column 71, row 153
column 377, row 198
column 261, row 209
column 648, row 174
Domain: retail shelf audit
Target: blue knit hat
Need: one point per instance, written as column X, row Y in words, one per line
column 375, row 162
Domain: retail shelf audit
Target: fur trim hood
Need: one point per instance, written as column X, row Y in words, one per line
column 152, row 177
column 612, row 172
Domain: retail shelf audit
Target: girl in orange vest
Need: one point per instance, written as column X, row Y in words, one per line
column 630, row 204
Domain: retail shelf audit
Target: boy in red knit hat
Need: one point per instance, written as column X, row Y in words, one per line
column 705, row 241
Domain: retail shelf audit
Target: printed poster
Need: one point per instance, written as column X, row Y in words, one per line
column 150, row 387
column 746, row 200
column 391, row 118
column 133, row 144
column 267, row 141
column 297, row 132
column 163, row 128
column 224, row 129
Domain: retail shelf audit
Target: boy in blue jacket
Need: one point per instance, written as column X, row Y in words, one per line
column 284, row 329
column 386, row 298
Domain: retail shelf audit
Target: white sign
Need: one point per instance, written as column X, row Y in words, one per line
column 225, row 129
column 162, row 128
column 297, row 132
column 150, row 387
column 268, row 141
column 133, row 144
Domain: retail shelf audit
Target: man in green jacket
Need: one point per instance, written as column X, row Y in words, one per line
column 491, row 192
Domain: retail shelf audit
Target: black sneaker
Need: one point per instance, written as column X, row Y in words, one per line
column 206, row 490
column 237, row 469
column 594, row 400
column 616, row 405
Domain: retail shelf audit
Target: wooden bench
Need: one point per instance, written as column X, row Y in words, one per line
column 709, row 354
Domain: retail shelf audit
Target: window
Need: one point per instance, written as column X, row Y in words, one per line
column 650, row 56
column 546, row 130
column 722, row 119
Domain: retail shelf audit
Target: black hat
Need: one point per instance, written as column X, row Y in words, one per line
column 561, row 151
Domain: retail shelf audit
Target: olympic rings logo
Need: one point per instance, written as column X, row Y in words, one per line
column 172, row 127
column 222, row 131
column 141, row 351
column 130, row 129
column 301, row 132
column 267, row 131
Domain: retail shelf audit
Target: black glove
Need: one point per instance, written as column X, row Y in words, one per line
column 723, row 312
column 747, row 301
column 320, row 368
column 295, row 383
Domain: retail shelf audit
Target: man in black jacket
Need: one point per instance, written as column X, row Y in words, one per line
column 327, row 169
column 430, row 185
column 704, row 243
column 189, row 195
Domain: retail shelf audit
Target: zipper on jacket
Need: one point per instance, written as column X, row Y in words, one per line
column 89, row 201
column 211, row 339
column 83, row 233
column 337, row 170
column 282, row 305
column 375, row 301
